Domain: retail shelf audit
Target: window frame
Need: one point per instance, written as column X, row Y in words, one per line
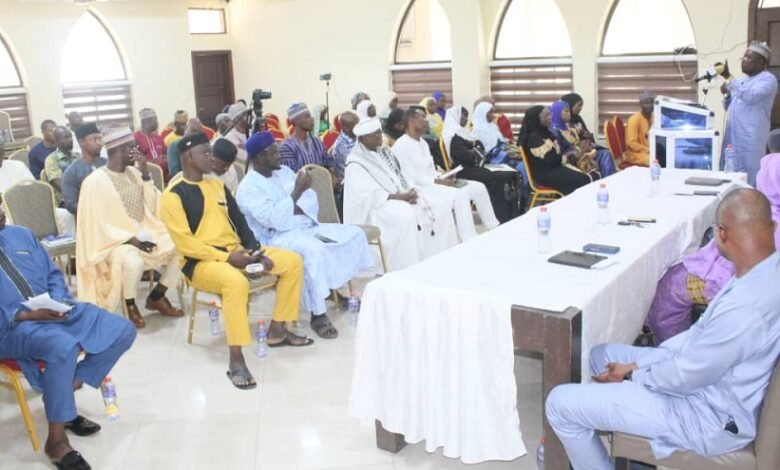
column 223, row 16
column 4, row 44
column 501, row 21
column 116, row 47
column 649, row 55
column 422, row 63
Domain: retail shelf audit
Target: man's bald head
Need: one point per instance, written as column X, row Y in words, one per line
column 745, row 229
column 348, row 121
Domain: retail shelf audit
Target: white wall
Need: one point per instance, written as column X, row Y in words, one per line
column 152, row 36
column 283, row 46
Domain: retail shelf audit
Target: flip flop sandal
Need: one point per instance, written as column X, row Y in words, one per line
column 241, row 374
column 324, row 328
column 290, row 340
column 72, row 461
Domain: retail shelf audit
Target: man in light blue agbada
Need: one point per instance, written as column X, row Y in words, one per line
column 701, row 390
column 749, row 102
column 281, row 210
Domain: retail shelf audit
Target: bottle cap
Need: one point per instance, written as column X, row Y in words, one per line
column 261, row 322
column 541, row 441
column 107, row 380
column 656, row 162
column 354, row 293
column 542, row 209
column 603, row 185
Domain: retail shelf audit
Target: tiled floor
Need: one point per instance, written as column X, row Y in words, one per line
column 179, row 411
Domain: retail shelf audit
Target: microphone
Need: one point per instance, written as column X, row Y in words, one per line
column 711, row 72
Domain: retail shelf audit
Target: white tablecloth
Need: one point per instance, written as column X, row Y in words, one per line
column 434, row 353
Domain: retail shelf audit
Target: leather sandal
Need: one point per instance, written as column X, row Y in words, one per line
column 163, row 306
column 72, row 461
column 81, row 426
column 135, row 316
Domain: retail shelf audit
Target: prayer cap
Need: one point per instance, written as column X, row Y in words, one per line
column 646, row 95
column 224, row 149
column 362, row 108
column 85, row 130
column 181, row 117
column 761, row 48
column 220, row 117
column 237, row 110
column 296, row 109
column 367, row 126
column 147, row 113
column 192, row 140
column 259, row 142
column 115, row 136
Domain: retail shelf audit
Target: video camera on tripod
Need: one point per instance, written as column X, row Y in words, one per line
column 258, row 96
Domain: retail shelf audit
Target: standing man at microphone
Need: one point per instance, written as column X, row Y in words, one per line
column 749, row 101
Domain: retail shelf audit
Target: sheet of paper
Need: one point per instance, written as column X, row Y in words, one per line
column 450, row 173
column 44, row 301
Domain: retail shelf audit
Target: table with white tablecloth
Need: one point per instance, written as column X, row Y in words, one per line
column 434, row 350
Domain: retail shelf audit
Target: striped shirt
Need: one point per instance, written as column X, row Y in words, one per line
column 295, row 155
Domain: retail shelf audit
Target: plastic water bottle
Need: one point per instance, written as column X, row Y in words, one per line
column 108, row 390
column 540, row 454
column 214, row 317
column 353, row 306
column 543, row 225
column 655, row 178
column 261, row 338
column 731, row 159
column 603, row 202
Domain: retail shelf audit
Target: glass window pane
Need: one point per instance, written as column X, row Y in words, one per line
column 769, row 3
column 207, row 21
column 90, row 54
column 425, row 34
column 533, row 29
column 626, row 34
column 9, row 77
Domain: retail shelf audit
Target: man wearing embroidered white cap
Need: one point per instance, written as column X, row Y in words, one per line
column 239, row 114
column 377, row 191
column 749, row 103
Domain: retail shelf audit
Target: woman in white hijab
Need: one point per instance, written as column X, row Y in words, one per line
column 366, row 110
column 462, row 149
column 320, row 115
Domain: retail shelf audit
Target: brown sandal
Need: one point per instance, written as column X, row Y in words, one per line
column 135, row 316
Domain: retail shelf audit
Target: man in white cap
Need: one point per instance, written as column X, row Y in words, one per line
column 377, row 191
column 121, row 235
column 749, row 102
column 239, row 115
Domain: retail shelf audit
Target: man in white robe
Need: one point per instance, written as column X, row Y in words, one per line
column 281, row 209
column 377, row 192
column 415, row 156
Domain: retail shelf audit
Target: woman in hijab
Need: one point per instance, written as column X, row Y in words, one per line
column 575, row 105
column 463, row 150
column 320, row 115
column 394, row 126
column 586, row 156
column 391, row 102
column 435, row 122
column 548, row 165
column 366, row 110
column 441, row 103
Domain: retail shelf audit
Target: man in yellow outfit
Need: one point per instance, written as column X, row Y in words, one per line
column 637, row 129
column 212, row 235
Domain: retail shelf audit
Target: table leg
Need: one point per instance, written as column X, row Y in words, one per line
column 557, row 336
column 389, row 441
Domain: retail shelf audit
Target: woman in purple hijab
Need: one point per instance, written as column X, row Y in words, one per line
column 569, row 139
column 700, row 276
column 441, row 103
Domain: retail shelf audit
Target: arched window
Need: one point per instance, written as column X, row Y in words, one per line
column 532, row 29
column 13, row 99
column 93, row 75
column 532, row 58
column 424, row 34
column 423, row 51
column 622, row 36
column 632, row 61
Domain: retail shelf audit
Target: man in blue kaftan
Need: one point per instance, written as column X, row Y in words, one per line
column 282, row 210
column 749, row 102
column 703, row 389
column 54, row 339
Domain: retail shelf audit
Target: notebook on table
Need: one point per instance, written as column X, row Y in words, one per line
column 577, row 259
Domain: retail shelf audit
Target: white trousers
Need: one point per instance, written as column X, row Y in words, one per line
column 133, row 267
column 576, row 411
column 66, row 223
column 478, row 194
